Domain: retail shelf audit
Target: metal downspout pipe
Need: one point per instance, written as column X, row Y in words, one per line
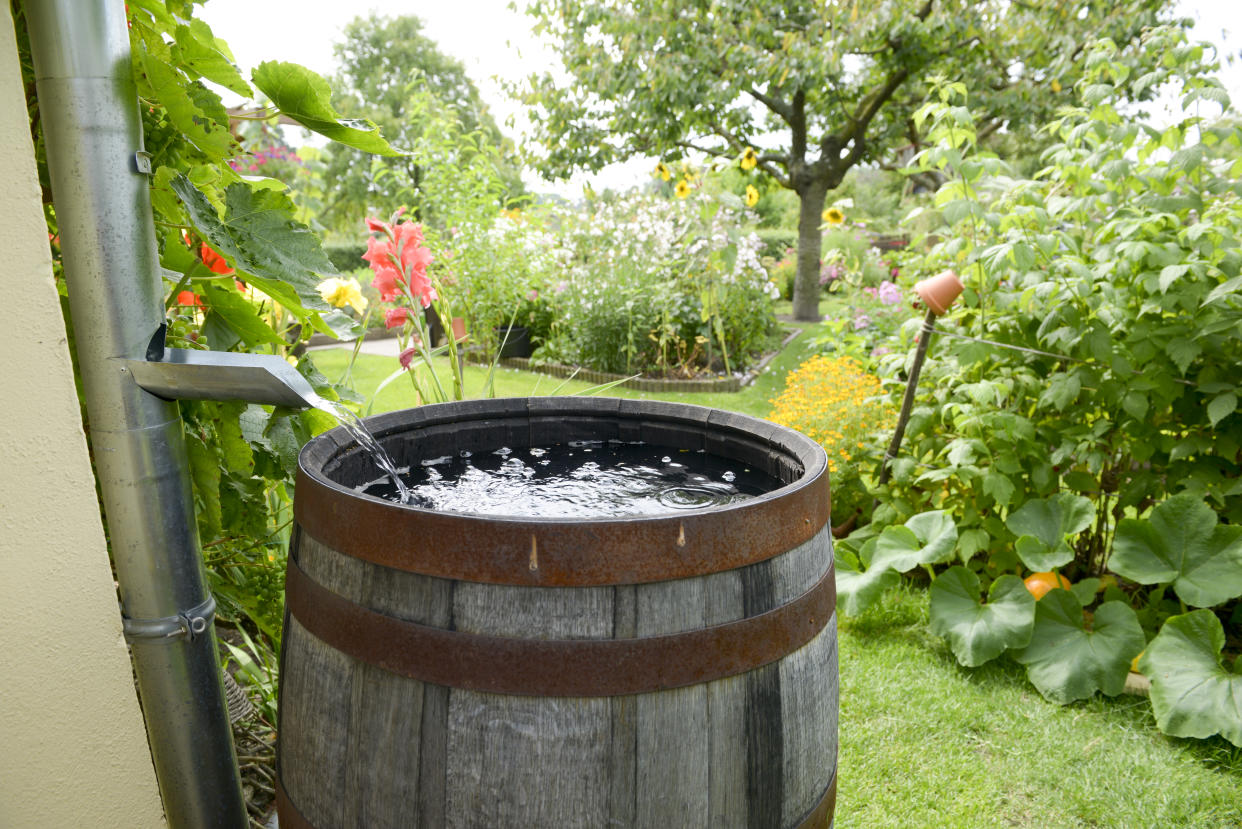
column 93, row 136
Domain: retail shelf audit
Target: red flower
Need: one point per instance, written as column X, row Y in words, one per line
column 190, row 299
column 406, row 357
column 396, row 317
column 376, row 226
column 214, row 261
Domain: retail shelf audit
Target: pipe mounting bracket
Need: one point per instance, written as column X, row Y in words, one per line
column 185, row 625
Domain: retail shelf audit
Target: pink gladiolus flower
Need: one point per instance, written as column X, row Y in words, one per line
column 406, row 357
column 387, row 281
column 396, row 317
column 376, row 226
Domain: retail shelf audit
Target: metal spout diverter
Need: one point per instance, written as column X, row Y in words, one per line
column 184, row 374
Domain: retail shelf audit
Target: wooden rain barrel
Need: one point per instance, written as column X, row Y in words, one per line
column 455, row 670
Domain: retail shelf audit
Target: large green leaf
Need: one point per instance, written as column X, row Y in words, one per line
column 927, row 538
column 202, row 52
column 1192, row 694
column 306, row 98
column 858, row 588
column 260, row 237
column 1182, row 543
column 1066, row 662
column 191, row 108
column 240, row 314
column 979, row 632
column 1043, row 527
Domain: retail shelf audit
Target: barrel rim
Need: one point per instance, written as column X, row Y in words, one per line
column 557, row 551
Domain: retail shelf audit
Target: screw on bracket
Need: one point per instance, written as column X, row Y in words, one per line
column 142, row 160
column 187, row 624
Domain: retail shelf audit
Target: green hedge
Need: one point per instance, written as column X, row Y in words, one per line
column 346, row 256
column 776, row 240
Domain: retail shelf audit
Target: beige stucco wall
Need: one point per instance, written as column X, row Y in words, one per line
column 73, row 750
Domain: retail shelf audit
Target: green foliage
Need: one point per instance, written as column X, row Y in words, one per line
column 395, row 76
column 1192, row 693
column 1181, row 543
column 814, row 88
column 1068, row 661
column 345, row 256
column 305, row 97
column 777, row 242
column 1092, row 380
column 658, row 285
column 978, row 632
column 1045, row 525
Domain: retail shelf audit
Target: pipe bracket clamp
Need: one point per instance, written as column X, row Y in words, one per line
column 186, row 624
column 142, row 162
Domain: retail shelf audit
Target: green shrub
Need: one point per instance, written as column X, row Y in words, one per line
column 346, row 256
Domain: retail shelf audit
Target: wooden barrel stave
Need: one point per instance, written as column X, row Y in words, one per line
column 652, row 759
column 363, row 747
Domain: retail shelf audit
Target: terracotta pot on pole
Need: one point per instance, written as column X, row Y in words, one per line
column 937, row 293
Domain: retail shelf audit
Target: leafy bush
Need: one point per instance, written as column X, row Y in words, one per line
column 345, row 256
column 1101, row 439
column 777, row 241
column 660, row 285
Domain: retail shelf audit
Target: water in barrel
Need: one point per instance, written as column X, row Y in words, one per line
column 576, row 480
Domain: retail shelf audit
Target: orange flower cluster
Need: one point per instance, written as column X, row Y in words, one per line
column 833, row 401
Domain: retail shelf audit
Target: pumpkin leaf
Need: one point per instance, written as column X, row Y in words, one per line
column 927, row 538
column 1182, row 543
column 1050, row 521
column 1067, row 662
column 978, row 632
column 306, row 98
column 1038, row 556
column 858, row 588
column 1192, row 694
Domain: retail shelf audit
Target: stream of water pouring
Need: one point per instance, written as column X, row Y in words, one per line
column 358, row 430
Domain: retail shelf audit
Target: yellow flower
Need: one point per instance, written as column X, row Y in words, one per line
column 1056, row 85
column 752, row 195
column 662, row 172
column 683, row 188
column 339, row 292
column 833, row 216
column 749, row 159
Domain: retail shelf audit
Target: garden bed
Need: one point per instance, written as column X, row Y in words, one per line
column 652, row 384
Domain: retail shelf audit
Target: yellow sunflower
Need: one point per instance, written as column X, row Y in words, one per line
column 749, row 159
column 662, row 172
column 752, row 195
column 683, row 188
column 833, row 216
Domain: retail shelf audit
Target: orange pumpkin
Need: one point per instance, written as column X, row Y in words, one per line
column 1040, row 583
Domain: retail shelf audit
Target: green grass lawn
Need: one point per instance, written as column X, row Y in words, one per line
column 925, row 742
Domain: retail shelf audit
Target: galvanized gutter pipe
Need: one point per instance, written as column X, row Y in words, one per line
column 93, row 135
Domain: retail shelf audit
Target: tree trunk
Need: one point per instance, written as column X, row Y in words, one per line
column 806, row 282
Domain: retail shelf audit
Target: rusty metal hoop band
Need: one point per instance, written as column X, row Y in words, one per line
column 557, row 667
column 579, row 553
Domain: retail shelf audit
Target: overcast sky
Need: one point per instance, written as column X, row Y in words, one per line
column 493, row 42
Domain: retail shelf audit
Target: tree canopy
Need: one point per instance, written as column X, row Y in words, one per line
column 388, row 67
column 815, row 88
